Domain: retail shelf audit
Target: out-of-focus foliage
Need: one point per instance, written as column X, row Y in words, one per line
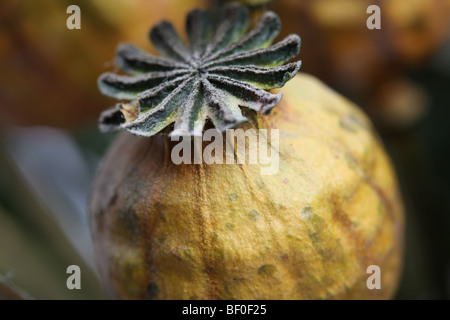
column 43, row 229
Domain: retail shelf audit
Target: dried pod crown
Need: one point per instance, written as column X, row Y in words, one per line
column 224, row 68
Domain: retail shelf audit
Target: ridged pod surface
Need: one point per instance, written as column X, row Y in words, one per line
column 310, row 231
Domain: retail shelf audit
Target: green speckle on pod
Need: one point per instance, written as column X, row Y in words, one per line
column 260, row 183
column 233, row 196
column 162, row 239
column 152, row 290
column 254, row 215
column 267, row 270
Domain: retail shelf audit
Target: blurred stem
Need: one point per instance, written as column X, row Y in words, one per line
column 39, row 228
column 9, row 291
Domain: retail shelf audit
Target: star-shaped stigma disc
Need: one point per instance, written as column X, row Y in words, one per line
column 224, row 68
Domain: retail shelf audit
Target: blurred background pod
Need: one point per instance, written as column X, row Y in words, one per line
column 47, row 68
column 364, row 63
